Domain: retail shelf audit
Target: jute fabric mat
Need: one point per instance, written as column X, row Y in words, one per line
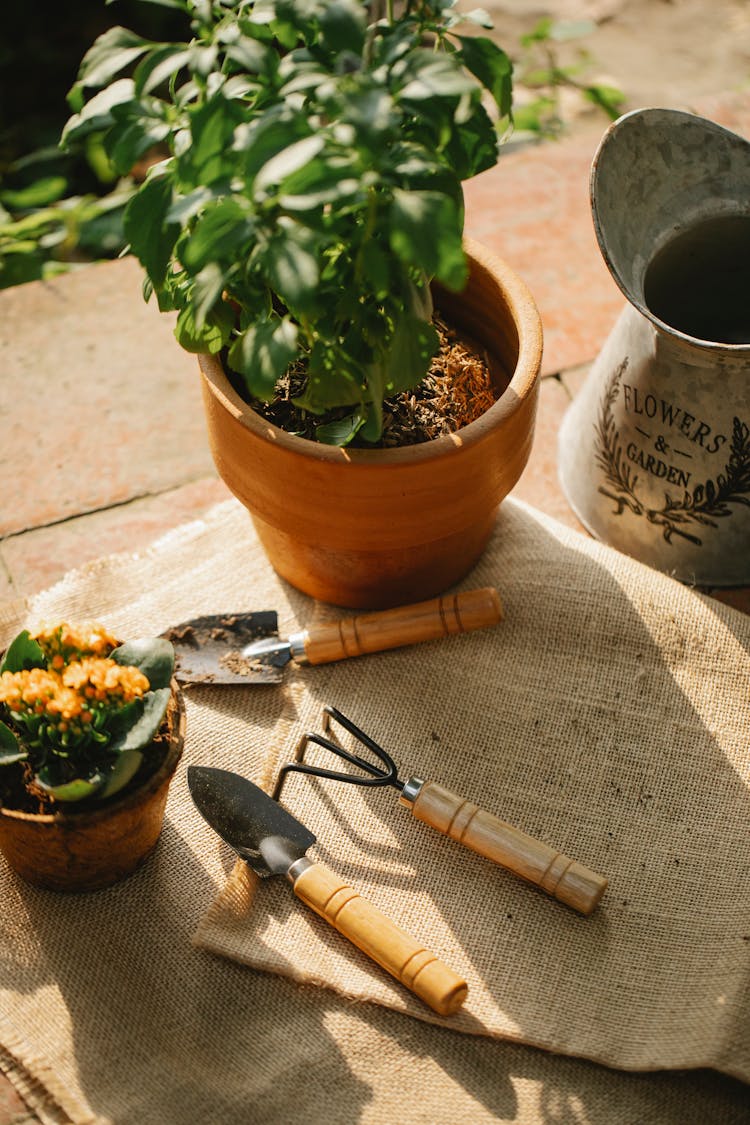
column 607, row 714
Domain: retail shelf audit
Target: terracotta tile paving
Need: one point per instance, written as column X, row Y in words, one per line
column 40, row 557
column 533, row 210
column 92, row 373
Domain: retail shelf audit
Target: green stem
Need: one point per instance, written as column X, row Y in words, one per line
column 372, row 210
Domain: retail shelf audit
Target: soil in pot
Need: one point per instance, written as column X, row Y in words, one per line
column 461, row 384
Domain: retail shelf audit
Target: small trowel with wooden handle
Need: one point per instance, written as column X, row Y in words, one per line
column 245, row 648
column 273, row 842
column 563, row 878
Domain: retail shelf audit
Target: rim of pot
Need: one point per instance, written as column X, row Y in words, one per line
column 525, row 316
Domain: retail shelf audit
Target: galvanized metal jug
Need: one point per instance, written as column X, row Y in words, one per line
column 654, row 453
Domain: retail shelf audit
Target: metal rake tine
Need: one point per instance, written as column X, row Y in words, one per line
column 376, row 778
column 374, row 747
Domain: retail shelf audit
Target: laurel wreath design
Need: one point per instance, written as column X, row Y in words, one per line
column 704, row 505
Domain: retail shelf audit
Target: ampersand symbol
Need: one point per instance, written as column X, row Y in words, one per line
column 661, row 445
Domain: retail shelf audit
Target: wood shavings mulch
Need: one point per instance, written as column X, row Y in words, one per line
column 457, row 389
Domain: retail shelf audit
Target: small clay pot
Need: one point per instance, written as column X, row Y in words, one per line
column 376, row 528
column 87, row 848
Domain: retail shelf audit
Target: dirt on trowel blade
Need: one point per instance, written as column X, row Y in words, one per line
column 208, row 650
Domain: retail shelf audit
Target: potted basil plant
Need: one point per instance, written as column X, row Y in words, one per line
column 91, row 732
column 304, row 221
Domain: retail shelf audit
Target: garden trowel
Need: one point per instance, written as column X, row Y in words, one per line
column 273, row 842
column 245, row 648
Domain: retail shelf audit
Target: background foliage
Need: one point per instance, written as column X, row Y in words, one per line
column 58, row 210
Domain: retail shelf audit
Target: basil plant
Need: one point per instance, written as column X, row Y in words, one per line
column 79, row 711
column 307, row 183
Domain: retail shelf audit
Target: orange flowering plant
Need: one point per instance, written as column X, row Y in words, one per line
column 78, row 709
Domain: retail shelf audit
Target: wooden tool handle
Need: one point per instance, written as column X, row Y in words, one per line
column 467, row 824
column 372, row 932
column 392, row 628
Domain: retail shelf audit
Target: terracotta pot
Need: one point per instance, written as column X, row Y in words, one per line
column 89, row 848
column 375, row 528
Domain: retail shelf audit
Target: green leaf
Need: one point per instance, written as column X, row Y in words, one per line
column 415, row 217
column 127, row 144
column 97, row 114
column 124, row 769
column 480, row 17
column 342, row 27
column 420, row 300
column 435, row 76
column 77, row 790
column 153, row 656
column 11, row 749
column 413, row 345
column 490, row 64
column 333, row 380
column 207, row 290
column 262, row 139
column 203, row 59
column 46, row 190
column 185, row 207
column 474, row 147
column 142, row 724
column 342, row 430
column 372, row 430
column 220, row 234
column 540, row 33
column 210, row 336
column 292, row 269
column 375, row 268
column 251, row 56
column 159, row 65
column 608, row 98
column 115, row 49
column 151, row 235
column 212, row 130
column 289, row 160
column 262, row 354
column 23, row 653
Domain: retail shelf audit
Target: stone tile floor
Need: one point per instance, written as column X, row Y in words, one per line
column 92, row 376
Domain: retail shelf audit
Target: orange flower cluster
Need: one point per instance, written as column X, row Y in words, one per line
column 104, row 682
column 69, row 700
column 63, row 643
column 29, row 692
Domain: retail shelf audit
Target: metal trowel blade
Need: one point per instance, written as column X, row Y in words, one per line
column 208, row 650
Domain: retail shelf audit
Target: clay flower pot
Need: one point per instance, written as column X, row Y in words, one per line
column 375, row 528
column 93, row 846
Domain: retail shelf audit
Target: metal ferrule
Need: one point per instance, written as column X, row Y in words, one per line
column 296, row 869
column 410, row 791
column 296, row 642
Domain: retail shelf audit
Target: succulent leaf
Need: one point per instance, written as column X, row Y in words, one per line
column 10, row 748
column 77, row 790
column 144, row 716
column 23, row 652
column 154, row 656
column 124, row 770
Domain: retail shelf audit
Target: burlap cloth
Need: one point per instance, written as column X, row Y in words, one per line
column 608, row 714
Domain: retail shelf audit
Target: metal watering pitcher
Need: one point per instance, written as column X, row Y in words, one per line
column 654, row 453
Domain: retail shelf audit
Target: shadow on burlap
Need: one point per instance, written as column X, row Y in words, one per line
column 606, row 715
